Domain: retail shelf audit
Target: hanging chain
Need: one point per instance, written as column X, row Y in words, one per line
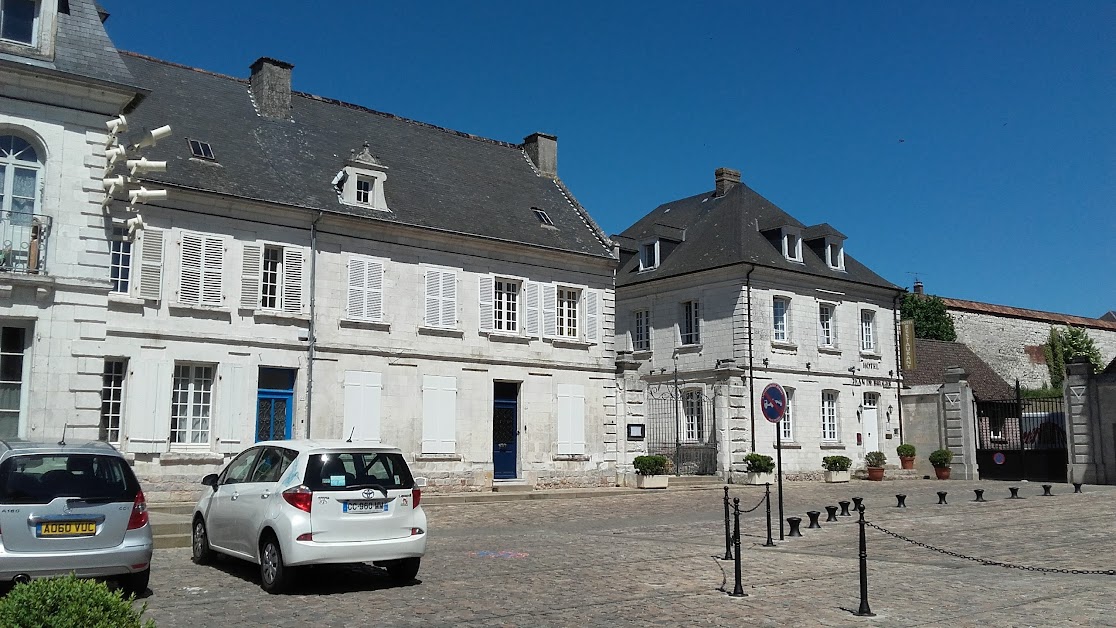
column 753, row 507
column 994, row 563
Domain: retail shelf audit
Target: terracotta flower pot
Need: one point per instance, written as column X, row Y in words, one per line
column 875, row 473
column 942, row 472
column 907, row 461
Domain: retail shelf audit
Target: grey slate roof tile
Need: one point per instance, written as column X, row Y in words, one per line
column 82, row 46
column 933, row 357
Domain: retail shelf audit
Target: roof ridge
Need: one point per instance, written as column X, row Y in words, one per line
column 1029, row 312
column 181, row 65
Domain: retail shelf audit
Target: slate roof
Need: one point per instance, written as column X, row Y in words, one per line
column 739, row 227
column 437, row 178
column 933, row 357
column 1035, row 315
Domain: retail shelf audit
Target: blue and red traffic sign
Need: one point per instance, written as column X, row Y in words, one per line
column 773, row 402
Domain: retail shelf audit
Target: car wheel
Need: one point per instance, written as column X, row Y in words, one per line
column 202, row 553
column 135, row 584
column 274, row 575
column 403, row 571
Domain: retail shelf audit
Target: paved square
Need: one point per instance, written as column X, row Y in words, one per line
column 648, row 560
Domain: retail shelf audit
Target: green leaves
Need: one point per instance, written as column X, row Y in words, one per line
column 1063, row 345
column 69, row 602
column 932, row 320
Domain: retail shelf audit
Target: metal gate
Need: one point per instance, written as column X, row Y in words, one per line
column 1021, row 439
column 682, row 425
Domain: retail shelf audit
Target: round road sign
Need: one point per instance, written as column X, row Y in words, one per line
column 773, row 402
column 999, row 457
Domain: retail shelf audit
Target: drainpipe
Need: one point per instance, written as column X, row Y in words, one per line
column 310, row 333
column 751, row 360
column 898, row 364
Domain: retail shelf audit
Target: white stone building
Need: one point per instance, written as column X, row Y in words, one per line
column 319, row 269
column 735, row 293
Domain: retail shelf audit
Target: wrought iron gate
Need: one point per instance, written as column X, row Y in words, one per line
column 1021, row 439
column 682, row 425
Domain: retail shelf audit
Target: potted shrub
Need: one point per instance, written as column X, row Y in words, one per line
column 906, row 454
column 651, row 471
column 759, row 469
column 836, row 468
column 875, row 461
column 941, row 459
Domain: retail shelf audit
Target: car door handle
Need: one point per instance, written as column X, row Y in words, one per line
column 235, row 495
column 265, row 495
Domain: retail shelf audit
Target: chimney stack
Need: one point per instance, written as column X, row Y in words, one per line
column 918, row 287
column 727, row 178
column 543, row 151
column 270, row 84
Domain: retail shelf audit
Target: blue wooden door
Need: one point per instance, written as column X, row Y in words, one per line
column 273, row 414
column 505, row 438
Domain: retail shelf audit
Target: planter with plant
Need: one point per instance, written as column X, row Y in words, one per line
column 759, row 469
column 69, row 601
column 875, row 461
column 651, row 471
column 906, row 454
column 836, row 468
column 941, row 459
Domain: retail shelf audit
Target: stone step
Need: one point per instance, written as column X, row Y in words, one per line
column 696, row 480
column 511, row 486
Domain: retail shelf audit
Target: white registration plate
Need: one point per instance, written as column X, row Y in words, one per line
column 366, row 506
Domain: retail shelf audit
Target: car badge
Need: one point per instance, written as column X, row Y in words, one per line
column 369, row 493
column 66, row 508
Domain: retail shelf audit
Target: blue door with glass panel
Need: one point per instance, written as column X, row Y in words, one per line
column 505, row 430
column 274, row 404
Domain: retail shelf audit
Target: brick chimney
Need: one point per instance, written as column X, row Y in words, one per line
column 918, row 287
column 726, row 179
column 543, row 151
column 270, row 84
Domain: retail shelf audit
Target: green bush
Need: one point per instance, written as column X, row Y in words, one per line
column 651, row 465
column 875, row 459
column 905, row 451
column 759, row 463
column 941, row 458
column 69, row 602
column 836, row 463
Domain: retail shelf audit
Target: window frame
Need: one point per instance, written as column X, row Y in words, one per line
column 830, row 246
column 276, row 283
column 786, row 424
column 689, row 324
column 827, row 327
column 190, row 443
column 35, row 24
column 787, row 330
column 112, row 406
column 649, row 255
column 788, row 238
column 511, row 304
column 24, row 365
column 641, row 330
column 830, row 416
column 120, row 274
column 567, row 311
column 693, row 416
column 446, row 303
column 868, row 338
column 367, row 291
column 204, row 150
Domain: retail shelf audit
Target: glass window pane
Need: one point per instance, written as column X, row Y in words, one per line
column 19, row 21
column 9, row 396
column 11, row 339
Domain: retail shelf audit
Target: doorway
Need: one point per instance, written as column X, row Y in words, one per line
column 869, row 418
column 505, row 430
column 274, row 403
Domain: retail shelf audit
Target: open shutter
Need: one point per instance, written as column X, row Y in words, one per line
column 571, row 419
column 250, row 276
column 374, row 298
column 439, row 414
column 292, row 280
column 531, row 295
column 592, row 306
column 487, row 306
column 151, row 265
column 550, row 310
column 213, row 271
column 232, row 408
column 433, row 305
column 190, row 269
column 362, row 405
column 449, row 300
column 149, row 406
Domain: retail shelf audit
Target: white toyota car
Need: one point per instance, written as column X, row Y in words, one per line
column 282, row 504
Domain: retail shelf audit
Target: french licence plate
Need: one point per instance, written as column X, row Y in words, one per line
column 68, row 528
column 376, row 505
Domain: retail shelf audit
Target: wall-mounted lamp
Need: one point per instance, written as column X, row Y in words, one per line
column 889, row 409
column 859, row 411
column 891, row 373
column 765, row 362
column 807, row 366
column 852, row 369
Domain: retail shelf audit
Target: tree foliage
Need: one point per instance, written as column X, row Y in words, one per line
column 1065, row 344
column 931, row 318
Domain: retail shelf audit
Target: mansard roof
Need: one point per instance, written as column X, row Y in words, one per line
column 437, row 178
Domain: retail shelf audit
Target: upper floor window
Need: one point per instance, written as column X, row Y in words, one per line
column 364, row 279
column 364, row 188
column 505, row 305
column 18, row 20
column 690, row 327
column 786, row 425
column 567, row 312
column 835, row 255
column 827, row 325
column 120, row 261
column 641, row 330
column 20, row 168
column 201, row 270
column 867, row 330
column 792, row 246
column 649, row 255
column 829, row 415
column 780, row 317
column 441, row 298
column 362, row 181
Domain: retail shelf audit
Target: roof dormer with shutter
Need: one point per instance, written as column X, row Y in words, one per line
column 362, row 181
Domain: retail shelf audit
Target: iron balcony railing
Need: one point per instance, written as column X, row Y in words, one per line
column 23, row 242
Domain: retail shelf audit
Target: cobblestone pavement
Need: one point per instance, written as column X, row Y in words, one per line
column 649, row 560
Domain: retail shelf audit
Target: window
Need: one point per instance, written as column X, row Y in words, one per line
column 19, row 184
column 867, row 330
column 364, row 187
column 120, row 260
column 829, row 415
column 238, row 470
column 693, row 410
column 201, row 150
column 649, row 255
column 12, row 346
column 571, row 419
column 567, row 312
column 780, row 307
column 543, row 217
column 112, row 400
column 786, row 425
column 505, row 306
column 641, row 330
column 792, row 247
column 280, row 278
column 191, row 404
column 202, row 270
column 17, row 20
column 690, row 329
column 827, row 325
column 439, row 414
column 365, row 300
column 271, row 464
column 441, row 298
column 835, row 255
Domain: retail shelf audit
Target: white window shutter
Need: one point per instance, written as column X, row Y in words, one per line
column 190, row 269
column 213, row 271
column 550, row 310
column 487, row 299
column 363, row 390
column 231, row 411
column 433, row 304
column 439, row 414
column 571, row 419
column 531, row 295
column 251, row 269
column 592, row 305
column 151, row 265
column 357, row 288
column 292, row 280
column 449, row 300
column 374, row 300
column 148, row 420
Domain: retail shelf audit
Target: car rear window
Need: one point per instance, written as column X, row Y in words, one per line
column 357, row 469
column 40, row 478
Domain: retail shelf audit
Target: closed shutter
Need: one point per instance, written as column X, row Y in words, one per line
column 151, row 265
column 439, row 414
column 292, row 280
column 441, row 298
column 232, row 414
column 449, row 299
column 365, row 289
column 571, row 419
column 250, row 276
column 550, row 310
column 531, row 296
column 433, row 303
column 487, row 306
column 362, row 405
column 592, row 306
column 213, row 272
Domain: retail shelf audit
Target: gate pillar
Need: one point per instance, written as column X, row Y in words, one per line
column 959, row 424
column 631, row 404
column 732, row 417
column 1082, row 429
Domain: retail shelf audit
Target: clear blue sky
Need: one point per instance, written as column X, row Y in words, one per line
column 972, row 143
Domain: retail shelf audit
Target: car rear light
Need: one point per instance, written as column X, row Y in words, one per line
column 416, row 531
column 300, row 497
column 306, row 536
column 139, row 512
column 416, row 496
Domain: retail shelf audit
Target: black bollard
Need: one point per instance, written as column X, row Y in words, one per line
column 845, row 509
column 979, row 495
column 767, row 498
column 857, row 502
column 832, row 510
column 1077, row 487
column 1046, row 491
column 814, row 514
column 941, row 497
column 901, row 501
column 738, row 590
column 865, row 610
column 1014, row 492
column 728, row 533
column 794, row 522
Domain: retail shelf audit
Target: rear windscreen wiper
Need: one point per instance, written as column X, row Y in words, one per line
column 375, row 486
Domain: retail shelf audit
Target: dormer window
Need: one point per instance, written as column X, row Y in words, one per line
column 364, row 187
column 18, row 21
column 835, row 255
column 649, row 255
column 362, row 181
column 792, row 246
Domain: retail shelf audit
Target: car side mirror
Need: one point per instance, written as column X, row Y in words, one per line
column 210, row 480
column 420, row 482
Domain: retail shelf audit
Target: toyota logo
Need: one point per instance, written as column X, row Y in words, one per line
column 369, row 493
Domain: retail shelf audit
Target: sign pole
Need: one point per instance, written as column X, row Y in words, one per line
column 773, row 404
column 779, row 473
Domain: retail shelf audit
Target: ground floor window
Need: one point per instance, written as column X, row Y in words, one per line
column 12, row 346
column 112, row 400
column 191, row 404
